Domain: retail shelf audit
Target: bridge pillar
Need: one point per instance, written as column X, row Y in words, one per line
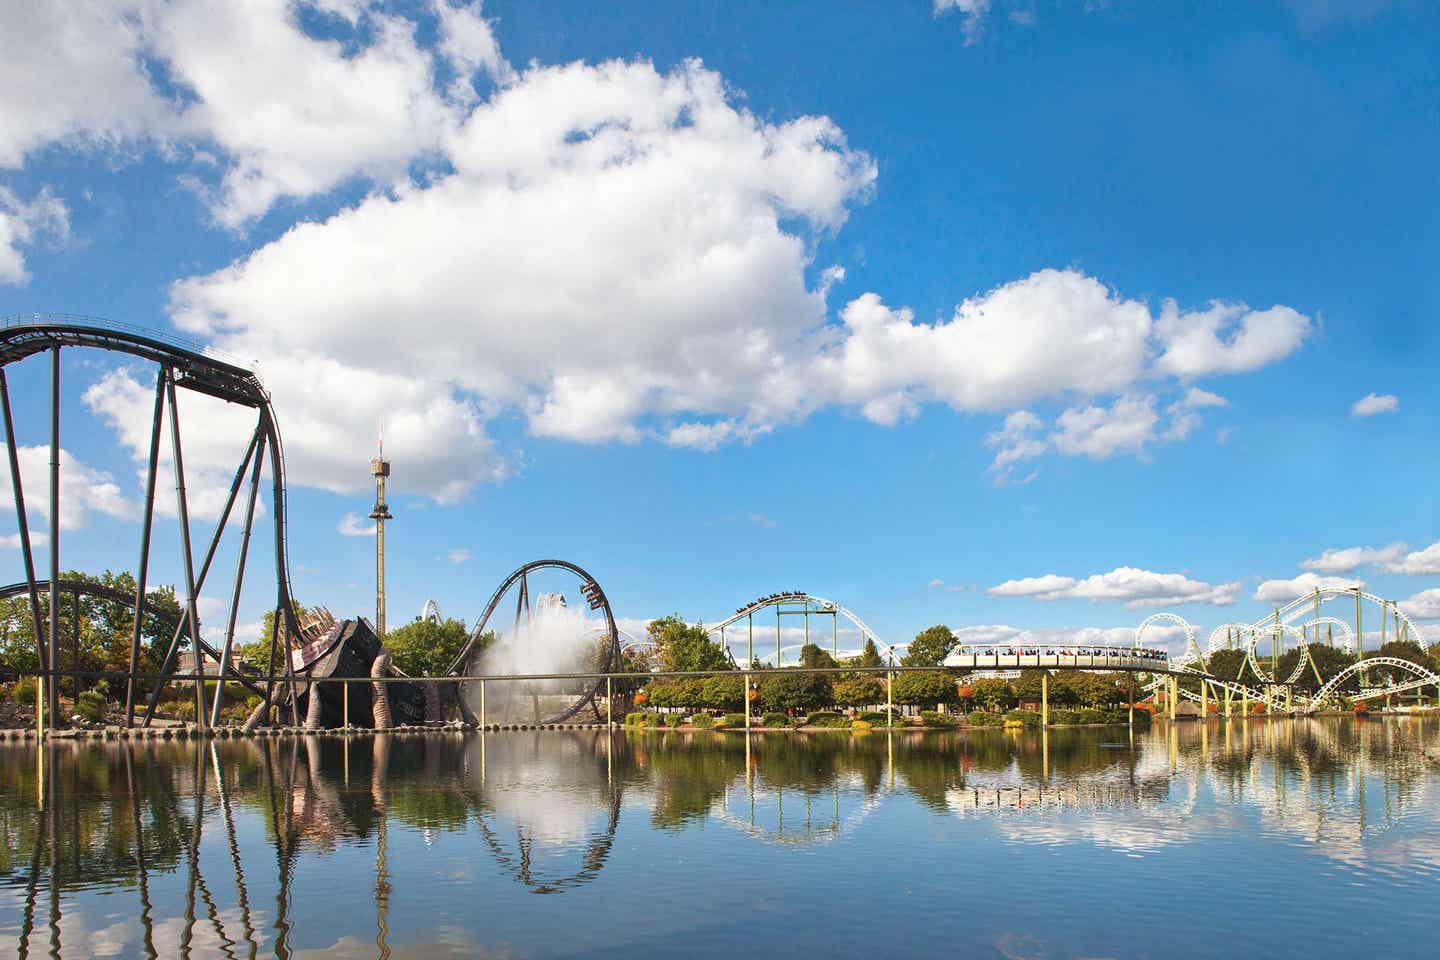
column 1044, row 698
column 1173, row 696
column 1228, row 712
column 1205, row 701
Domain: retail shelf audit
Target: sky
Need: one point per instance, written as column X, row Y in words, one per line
column 1014, row 316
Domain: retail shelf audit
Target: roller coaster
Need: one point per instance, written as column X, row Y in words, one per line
column 184, row 365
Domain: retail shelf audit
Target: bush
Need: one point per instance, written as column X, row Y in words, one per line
column 636, row 719
column 674, row 719
column 860, row 726
column 774, row 719
column 878, row 718
column 734, row 719
column 702, row 721
column 983, row 718
column 936, row 721
column 183, row 709
column 24, row 691
column 91, row 706
column 1025, row 718
column 824, row 718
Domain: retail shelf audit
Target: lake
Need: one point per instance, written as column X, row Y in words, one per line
column 1282, row 838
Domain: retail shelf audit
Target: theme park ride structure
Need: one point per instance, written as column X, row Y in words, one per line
column 178, row 365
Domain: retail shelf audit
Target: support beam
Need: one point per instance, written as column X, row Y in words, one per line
column 183, row 514
column 239, row 583
column 146, row 525
column 1044, row 698
column 23, row 524
column 53, row 687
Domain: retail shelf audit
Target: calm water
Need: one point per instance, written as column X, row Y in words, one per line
column 1307, row 837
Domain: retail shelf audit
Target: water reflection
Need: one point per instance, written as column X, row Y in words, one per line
column 388, row 845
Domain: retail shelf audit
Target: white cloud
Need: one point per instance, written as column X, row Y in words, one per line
column 351, row 525
column 1425, row 605
column 1227, row 338
column 613, row 252
column 1184, row 413
column 609, row 250
column 1371, row 404
column 1283, row 591
column 972, row 14
column 22, row 223
column 1015, row 442
column 458, row 556
column 83, row 490
column 1348, row 559
column 1097, row 432
column 1134, row 587
column 1417, row 562
column 289, row 114
column 11, row 541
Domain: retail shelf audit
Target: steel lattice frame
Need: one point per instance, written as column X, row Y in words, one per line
column 181, row 365
column 590, row 587
column 817, row 605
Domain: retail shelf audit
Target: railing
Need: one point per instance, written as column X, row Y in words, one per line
column 134, row 329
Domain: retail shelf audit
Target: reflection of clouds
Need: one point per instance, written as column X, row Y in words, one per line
column 549, row 795
column 807, row 816
column 448, row 943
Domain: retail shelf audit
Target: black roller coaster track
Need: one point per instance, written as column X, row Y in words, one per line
column 594, row 596
column 179, row 365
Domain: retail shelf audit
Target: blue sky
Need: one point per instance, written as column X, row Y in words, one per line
column 896, row 303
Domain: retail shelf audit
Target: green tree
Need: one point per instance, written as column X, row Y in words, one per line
column 787, row 689
column 859, row 692
column 992, row 693
column 869, row 655
column 929, row 647
column 680, row 646
column 926, row 689
column 426, row 648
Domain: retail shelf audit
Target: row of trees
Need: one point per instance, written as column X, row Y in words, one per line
column 1325, row 662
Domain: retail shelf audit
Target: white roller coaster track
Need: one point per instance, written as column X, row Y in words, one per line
column 825, row 607
column 1423, row 676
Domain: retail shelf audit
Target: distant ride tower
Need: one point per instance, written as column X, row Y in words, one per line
column 380, row 468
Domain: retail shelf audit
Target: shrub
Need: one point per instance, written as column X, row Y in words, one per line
column 860, row 726
column 183, row 709
column 820, row 718
column 775, row 719
column 1025, row 718
column 702, row 721
column 878, row 718
column 636, row 719
column 982, row 718
column 24, row 691
column 91, row 706
column 674, row 719
column 936, row 721
column 734, row 719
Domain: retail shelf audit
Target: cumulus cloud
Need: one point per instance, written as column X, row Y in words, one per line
column 1424, row 605
column 1348, row 559
column 351, row 525
column 1416, row 562
column 83, row 490
column 458, row 556
column 1371, row 404
column 1134, row 587
column 1099, row 432
column 1283, row 591
column 613, row 252
column 24, row 222
column 288, row 113
column 1227, row 338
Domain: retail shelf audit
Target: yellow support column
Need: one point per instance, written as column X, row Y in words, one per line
column 1174, row 695
column 1044, row 698
column 1204, row 701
